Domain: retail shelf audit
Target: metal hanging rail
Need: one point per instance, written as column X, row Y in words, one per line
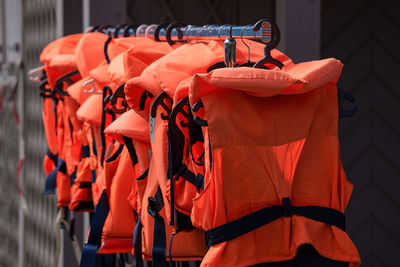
column 206, row 32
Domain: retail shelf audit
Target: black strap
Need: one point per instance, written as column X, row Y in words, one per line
column 84, row 205
column 144, row 175
column 137, row 242
column 156, row 203
column 116, row 154
column 131, row 149
column 85, row 151
column 252, row 221
column 94, row 240
column 51, row 180
column 53, row 157
column 196, row 180
column 72, row 177
column 107, row 91
column 143, row 98
column 106, row 49
column 93, row 175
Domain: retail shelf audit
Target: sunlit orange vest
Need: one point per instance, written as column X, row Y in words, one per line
column 273, row 178
column 146, row 94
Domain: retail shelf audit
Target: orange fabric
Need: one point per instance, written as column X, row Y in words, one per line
column 90, row 110
column 58, row 57
column 167, row 72
column 81, row 190
column 164, row 75
column 90, row 52
column 133, row 126
column 185, row 191
column 116, row 179
column 187, row 246
column 273, row 134
column 131, row 63
column 76, row 91
column 49, row 121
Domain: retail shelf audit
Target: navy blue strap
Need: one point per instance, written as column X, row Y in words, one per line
column 106, row 49
column 257, row 219
column 106, row 91
column 144, row 175
column 131, row 149
column 53, row 157
column 85, row 185
column 93, row 175
column 72, row 177
column 171, row 159
column 51, row 180
column 196, row 180
column 137, row 242
column 115, row 155
column 159, row 240
column 94, row 241
column 85, row 151
column 84, row 205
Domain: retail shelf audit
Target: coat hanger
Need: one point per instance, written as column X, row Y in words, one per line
column 159, row 101
column 160, row 26
column 221, row 64
column 195, row 132
column 249, row 63
column 169, row 29
column 119, row 93
column 197, row 119
column 141, row 30
column 130, row 30
column 65, row 78
column 345, row 113
column 272, row 30
column 92, row 90
column 142, row 102
column 118, row 30
column 36, row 74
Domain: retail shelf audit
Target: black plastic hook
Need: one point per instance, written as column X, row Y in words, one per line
column 275, row 39
column 119, row 93
column 169, row 30
column 158, row 29
column 343, row 113
column 159, row 101
column 129, row 28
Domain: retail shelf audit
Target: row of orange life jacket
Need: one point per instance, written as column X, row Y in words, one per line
column 233, row 167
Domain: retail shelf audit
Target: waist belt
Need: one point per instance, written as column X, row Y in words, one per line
column 254, row 220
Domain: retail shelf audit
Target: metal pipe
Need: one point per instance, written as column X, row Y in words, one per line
column 207, row 32
column 212, row 32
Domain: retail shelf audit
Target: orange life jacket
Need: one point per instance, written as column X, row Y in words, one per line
column 138, row 161
column 273, row 177
column 60, row 69
column 164, row 75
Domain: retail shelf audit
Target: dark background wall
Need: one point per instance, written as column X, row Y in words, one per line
column 202, row 12
column 365, row 36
